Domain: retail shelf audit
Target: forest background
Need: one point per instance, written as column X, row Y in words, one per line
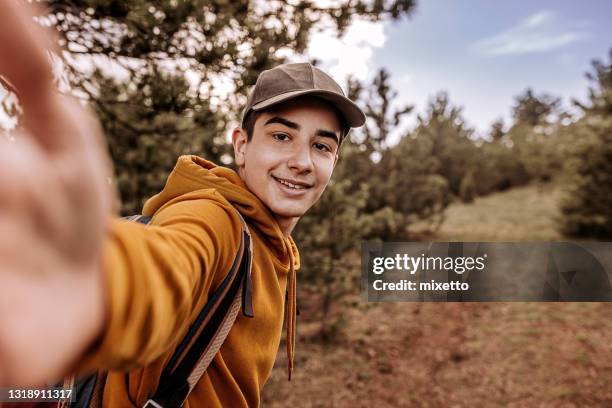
column 151, row 70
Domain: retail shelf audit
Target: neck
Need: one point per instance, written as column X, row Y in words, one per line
column 287, row 224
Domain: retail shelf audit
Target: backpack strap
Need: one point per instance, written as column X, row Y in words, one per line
column 143, row 219
column 208, row 332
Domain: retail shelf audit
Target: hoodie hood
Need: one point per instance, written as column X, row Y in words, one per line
column 194, row 173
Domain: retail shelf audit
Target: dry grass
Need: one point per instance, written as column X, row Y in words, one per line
column 521, row 214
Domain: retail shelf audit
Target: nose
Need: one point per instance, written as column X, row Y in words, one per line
column 300, row 159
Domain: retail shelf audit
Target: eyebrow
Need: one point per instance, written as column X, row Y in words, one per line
column 293, row 125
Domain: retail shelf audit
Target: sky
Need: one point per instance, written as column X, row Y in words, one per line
column 484, row 53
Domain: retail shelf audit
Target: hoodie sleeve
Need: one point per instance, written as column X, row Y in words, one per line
column 158, row 277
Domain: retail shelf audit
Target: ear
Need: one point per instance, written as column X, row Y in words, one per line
column 239, row 140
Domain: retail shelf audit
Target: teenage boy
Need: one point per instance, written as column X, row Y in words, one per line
column 79, row 302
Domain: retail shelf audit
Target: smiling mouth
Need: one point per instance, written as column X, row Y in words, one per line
column 295, row 185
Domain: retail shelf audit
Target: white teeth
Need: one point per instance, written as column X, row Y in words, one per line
column 288, row 184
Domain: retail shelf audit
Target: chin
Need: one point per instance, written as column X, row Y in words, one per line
column 288, row 212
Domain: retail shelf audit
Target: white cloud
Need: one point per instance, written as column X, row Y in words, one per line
column 351, row 54
column 538, row 32
column 537, row 19
column 406, row 78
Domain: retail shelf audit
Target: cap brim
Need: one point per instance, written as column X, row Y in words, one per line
column 353, row 115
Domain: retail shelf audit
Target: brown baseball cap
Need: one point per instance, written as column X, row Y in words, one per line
column 288, row 81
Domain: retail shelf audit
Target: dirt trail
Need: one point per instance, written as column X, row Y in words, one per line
column 456, row 355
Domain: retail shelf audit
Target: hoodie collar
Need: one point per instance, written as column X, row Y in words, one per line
column 195, row 173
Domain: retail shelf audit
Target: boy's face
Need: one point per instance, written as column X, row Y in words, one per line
column 290, row 157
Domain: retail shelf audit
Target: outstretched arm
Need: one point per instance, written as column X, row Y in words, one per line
column 54, row 203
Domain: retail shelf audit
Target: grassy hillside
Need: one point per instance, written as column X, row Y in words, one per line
column 521, row 214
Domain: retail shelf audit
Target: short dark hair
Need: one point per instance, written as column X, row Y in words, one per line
column 248, row 124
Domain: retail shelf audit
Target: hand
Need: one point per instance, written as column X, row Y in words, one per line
column 55, row 199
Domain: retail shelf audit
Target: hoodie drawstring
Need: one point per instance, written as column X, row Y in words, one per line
column 291, row 315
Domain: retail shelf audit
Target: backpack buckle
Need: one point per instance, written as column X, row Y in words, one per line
column 151, row 404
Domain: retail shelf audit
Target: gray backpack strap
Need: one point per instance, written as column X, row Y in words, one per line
column 239, row 300
column 143, row 219
column 210, row 329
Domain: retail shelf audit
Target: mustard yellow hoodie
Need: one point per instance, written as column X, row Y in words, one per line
column 159, row 276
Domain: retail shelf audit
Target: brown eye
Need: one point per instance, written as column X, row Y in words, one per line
column 280, row 136
column 322, row 147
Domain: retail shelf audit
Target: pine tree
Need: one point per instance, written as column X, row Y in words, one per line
column 335, row 226
column 533, row 135
column 467, row 189
column 534, row 110
column 130, row 60
column 449, row 138
column 587, row 205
